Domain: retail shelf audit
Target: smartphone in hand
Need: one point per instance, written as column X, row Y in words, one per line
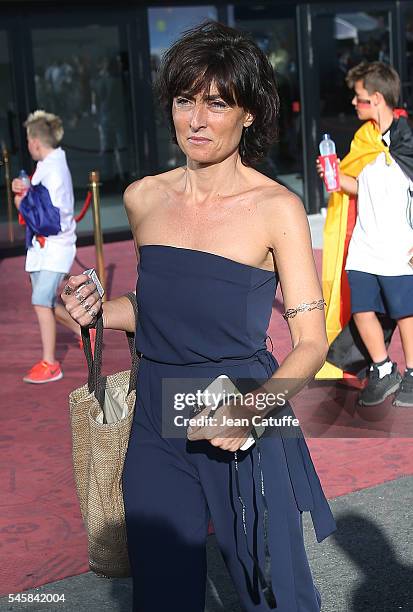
column 219, row 392
column 91, row 273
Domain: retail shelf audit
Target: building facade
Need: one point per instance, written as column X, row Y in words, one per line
column 93, row 64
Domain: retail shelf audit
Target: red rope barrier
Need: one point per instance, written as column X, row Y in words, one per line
column 85, row 207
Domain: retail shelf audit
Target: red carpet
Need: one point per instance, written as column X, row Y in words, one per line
column 42, row 536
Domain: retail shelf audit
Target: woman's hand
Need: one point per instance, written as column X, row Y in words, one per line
column 220, row 433
column 81, row 300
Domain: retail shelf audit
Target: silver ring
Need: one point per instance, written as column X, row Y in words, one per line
column 87, row 306
column 93, row 312
column 80, row 297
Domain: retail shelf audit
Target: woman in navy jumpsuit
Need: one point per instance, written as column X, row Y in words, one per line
column 213, row 240
column 173, row 486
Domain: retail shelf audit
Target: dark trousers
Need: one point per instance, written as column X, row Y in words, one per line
column 172, row 488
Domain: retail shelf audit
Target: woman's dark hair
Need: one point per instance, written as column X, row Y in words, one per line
column 212, row 52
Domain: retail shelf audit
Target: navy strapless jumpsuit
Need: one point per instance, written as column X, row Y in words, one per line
column 202, row 315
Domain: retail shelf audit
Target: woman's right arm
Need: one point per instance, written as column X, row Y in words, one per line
column 83, row 303
column 117, row 313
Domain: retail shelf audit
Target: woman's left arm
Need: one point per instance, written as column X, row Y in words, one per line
column 288, row 236
column 290, row 240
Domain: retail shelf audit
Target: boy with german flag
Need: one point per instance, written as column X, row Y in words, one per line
column 368, row 235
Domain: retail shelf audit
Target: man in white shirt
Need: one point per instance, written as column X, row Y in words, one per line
column 49, row 258
column 381, row 245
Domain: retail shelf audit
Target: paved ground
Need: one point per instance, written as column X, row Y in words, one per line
column 366, row 566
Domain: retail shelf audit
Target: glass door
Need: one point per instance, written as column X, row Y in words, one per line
column 406, row 40
column 274, row 30
column 344, row 38
column 165, row 25
column 82, row 73
column 10, row 232
column 334, row 38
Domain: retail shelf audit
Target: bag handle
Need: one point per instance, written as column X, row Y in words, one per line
column 97, row 382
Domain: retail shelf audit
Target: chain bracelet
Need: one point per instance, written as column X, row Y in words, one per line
column 291, row 312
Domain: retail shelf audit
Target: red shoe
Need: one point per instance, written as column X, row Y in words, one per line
column 92, row 340
column 44, row 372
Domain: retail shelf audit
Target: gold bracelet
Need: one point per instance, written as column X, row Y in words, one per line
column 291, row 312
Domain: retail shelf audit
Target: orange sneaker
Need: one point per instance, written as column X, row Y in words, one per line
column 92, row 340
column 44, row 372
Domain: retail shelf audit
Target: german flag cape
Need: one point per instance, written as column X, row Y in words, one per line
column 341, row 217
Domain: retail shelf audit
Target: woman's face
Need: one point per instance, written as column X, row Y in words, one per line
column 207, row 129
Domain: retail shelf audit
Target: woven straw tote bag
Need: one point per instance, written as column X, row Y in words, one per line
column 101, row 414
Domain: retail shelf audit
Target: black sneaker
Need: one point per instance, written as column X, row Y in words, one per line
column 377, row 389
column 404, row 395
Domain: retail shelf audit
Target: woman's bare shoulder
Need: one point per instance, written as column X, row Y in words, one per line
column 145, row 191
column 283, row 213
column 276, row 199
column 270, row 193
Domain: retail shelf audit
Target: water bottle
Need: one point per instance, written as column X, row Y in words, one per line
column 23, row 176
column 328, row 159
column 327, row 146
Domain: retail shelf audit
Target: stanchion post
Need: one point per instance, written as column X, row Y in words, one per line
column 7, row 180
column 100, row 266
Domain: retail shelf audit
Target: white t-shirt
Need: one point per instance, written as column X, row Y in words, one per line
column 59, row 251
column 382, row 235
